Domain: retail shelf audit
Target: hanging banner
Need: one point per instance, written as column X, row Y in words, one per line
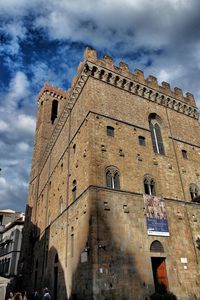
column 156, row 216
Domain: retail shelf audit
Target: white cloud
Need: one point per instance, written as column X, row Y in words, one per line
column 23, row 146
column 3, row 183
column 3, row 126
column 25, row 123
column 18, row 89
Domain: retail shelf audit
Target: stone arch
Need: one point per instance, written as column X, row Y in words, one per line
column 149, row 184
column 112, row 177
column 156, row 246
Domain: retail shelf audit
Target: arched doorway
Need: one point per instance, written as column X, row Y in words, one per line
column 158, row 263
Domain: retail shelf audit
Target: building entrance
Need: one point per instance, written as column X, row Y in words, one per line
column 159, row 272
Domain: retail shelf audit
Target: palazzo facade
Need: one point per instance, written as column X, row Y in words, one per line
column 113, row 207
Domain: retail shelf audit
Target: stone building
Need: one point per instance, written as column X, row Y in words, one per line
column 11, row 226
column 113, row 207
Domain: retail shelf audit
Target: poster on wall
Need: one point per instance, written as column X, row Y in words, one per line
column 156, row 216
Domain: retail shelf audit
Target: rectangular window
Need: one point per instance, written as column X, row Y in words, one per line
column 141, row 140
column 184, row 153
column 110, row 131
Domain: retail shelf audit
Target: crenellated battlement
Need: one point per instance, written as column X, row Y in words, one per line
column 138, row 76
column 52, row 91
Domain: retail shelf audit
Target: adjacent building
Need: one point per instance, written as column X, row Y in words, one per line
column 11, row 226
column 113, row 208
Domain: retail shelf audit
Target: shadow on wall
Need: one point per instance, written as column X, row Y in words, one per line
column 106, row 270
column 43, row 269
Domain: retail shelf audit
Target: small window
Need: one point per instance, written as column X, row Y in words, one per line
column 74, row 148
column 184, row 153
column 74, row 190
column 110, row 131
column 149, row 185
column 141, row 140
column 194, row 192
column 54, row 110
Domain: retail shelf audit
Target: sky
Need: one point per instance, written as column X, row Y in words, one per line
column 44, row 41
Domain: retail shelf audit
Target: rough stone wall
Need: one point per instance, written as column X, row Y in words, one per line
column 111, row 249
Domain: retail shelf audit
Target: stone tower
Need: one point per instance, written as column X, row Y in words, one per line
column 113, row 208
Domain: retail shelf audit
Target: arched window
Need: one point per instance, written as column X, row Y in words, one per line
column 74, row 190
column 194, row 191
column 156, row 136
column 149, row 185
column 156, row 246
column 112, row 178
column 54, row 110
